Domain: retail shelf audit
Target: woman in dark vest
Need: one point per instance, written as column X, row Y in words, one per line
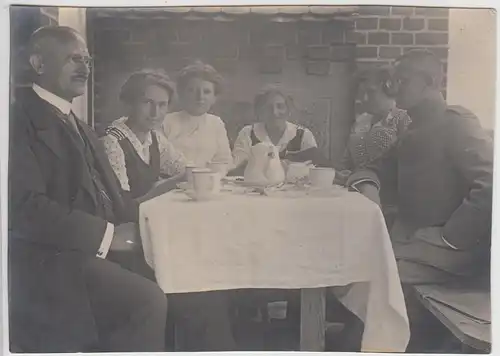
column 273, row 109
column 139, row 156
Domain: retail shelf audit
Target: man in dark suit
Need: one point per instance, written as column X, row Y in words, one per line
column 443, row 166
column 66, row 212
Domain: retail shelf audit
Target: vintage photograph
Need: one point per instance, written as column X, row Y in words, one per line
column 250, row 178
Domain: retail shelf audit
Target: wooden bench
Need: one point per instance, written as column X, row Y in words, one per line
column 465, row 311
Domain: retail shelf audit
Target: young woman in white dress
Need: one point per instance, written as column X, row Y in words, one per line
column 200, row 136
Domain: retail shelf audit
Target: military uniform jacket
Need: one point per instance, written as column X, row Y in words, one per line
column 443, row 166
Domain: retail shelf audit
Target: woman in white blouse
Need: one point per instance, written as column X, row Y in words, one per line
column 138, row 155
column 273, row 109
column 200, row 136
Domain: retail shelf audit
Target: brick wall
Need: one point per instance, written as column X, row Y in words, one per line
column 311, row 59
column 314, row 59
column 383, row 33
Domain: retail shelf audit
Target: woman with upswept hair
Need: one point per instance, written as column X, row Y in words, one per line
column 273, row 109
column 199, row 135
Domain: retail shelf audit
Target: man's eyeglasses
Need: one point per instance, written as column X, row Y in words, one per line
column 79, row 59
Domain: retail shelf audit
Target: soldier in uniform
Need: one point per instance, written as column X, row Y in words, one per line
column 443, row 166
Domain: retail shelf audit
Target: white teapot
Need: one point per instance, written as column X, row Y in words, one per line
column 264, row 166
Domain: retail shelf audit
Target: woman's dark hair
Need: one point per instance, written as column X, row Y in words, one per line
column 200, row 70
column 269, row 91
column 380, row 76
column 139, row 81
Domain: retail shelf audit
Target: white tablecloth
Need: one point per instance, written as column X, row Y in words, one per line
column 256, row 241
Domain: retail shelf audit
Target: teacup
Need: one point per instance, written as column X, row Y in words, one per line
column 189, row 173
column 206, row 183
column 220, row 167
column 296, row 171
column 321, row 177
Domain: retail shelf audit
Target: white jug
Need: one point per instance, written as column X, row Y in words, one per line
column 264, row 165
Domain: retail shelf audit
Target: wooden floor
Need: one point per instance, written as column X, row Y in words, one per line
column 282, row 337
column 278, row 336
column 274, row 337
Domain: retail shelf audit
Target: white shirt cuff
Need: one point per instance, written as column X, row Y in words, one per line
column 354, row 185
column 106, row 241
column 447, row 243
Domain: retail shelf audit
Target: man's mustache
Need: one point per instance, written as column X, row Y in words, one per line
column 83, row 76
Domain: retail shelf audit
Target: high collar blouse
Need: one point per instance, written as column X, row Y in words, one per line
column 201, row 139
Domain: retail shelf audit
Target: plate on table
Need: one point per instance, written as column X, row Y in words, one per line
column 326, row 192
column 190, row 193
column 254, row 185
column 183, row 185
column 263, row 189
column 288, row 193
column 232, row 179
column 240, row 181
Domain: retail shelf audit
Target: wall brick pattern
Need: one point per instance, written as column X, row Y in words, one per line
column 382, row 33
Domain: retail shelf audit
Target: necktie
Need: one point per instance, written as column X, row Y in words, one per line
column 70, row 120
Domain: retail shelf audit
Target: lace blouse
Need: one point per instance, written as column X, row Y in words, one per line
column 172, row 162
column 369, row 141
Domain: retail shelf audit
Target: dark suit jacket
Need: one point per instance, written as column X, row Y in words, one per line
column 53, row 227
column 443, row 167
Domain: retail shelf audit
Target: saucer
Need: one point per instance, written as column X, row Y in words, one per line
column 192, row 196
column 260, row 185
column 183, row 185
column 333, row 191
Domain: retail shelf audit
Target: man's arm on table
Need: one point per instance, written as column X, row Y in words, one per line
column 366, row 180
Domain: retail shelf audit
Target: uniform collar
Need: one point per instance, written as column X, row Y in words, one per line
column 63, row 105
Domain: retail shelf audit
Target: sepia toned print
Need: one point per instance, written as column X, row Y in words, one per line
column 294, row 178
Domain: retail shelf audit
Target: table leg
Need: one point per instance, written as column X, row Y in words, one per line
column 312, row 319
